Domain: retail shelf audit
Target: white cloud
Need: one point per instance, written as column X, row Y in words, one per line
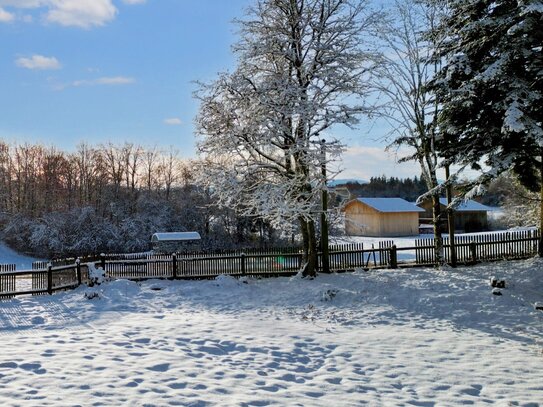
column 364, row 162
column 173, row 121
column 24, row 3
column 38, row 62
column 115, row 80
column 105, row 80
column 81, row 13
column 78, row 13
column 6, row 17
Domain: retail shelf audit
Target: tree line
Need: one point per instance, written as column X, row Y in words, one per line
column 389, row 187
column 108, row 198
column 35, row 179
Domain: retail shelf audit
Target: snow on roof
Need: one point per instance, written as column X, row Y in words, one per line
column 471, row 206
column 390, row 204
column 175, row 236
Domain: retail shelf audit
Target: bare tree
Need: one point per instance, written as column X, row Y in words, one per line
column 132, row 155
column 405, row 68
column 115, row 165
column 171, row 170
column 150, row 162
column 5, row 178
column 300, row 73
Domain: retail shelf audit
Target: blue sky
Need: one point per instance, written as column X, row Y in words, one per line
column 123, row 70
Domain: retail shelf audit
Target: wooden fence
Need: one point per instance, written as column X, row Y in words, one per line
column 262, row 263
column 483, row 247
column 43, row 281
column 69, row 273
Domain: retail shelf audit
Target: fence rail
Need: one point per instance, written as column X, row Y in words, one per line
column 46, row 278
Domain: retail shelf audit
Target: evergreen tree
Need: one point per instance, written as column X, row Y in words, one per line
column 491, row 89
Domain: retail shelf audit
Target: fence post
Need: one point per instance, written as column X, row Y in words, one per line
column 174, row 266
column 540, row 242
column 393, row 257
column 49, row 278
column 78, row 270
column 243, row 269
column 473, row 252
column 103, row 261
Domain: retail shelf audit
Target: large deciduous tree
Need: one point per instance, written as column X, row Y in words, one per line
column 491, row 87
column 300, row 73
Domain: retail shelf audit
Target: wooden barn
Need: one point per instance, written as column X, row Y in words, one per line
column 381, row 217
column 171, row 242
column 470, row 216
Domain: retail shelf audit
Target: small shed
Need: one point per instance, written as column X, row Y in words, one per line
column 381, row 217
column 469, row 216
column 171, row 242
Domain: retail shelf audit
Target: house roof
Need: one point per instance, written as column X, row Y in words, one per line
column 390, row 204
column 467, row 206
column 175, row 236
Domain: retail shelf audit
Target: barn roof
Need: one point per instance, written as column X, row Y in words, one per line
column 390, row 204
column 175, row 236
column 467, row 206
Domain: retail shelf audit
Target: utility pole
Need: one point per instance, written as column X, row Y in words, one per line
column 324, row 213
column 450, row 218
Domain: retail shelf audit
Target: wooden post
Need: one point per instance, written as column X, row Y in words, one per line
column 78, row 270
column 174, row 266
column 49, row 278
column 473, row 252
column 243, row 269
column 393, row 257
column 103, row 261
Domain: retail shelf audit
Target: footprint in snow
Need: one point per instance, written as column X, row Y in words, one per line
column 163, row 367
column 9, row 365
column 177, row 386
column 33, row 367
column 37, row 320
column 474, row 390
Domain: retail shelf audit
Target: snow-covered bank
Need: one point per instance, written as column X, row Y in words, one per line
column 391, row 337
column 9, row 256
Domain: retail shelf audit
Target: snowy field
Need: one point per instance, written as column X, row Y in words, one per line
column 418, row 337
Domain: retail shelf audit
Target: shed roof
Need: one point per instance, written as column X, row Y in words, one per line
column 390, row 204
column 467, row 206
column 175, row 236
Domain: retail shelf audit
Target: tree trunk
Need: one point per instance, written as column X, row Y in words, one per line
column 540, row 249
column 309, row 267
column 438, row 240
column 450, row 220
column 324, row 214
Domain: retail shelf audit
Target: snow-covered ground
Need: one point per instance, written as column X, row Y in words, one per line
column 9, row 256
column 419, row 337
